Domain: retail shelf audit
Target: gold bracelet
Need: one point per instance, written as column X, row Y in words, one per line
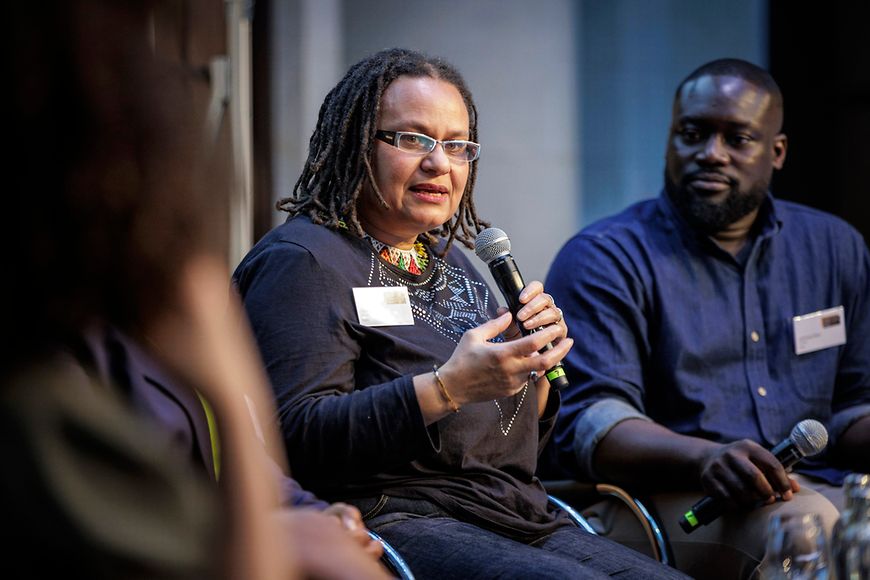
column 453, row 406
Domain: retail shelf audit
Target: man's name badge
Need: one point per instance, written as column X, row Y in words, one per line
column 819, row 330
column 384, row 306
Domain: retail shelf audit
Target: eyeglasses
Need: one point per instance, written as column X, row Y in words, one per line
column 419, row 144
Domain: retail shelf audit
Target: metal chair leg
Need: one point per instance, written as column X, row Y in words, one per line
column 586, row 493
column 392, row 559
column 652, row 528
column 574, row 514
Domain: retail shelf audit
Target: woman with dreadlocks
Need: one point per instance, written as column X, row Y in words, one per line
column 396, row 388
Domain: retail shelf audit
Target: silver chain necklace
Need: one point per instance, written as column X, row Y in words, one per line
column 516, row 412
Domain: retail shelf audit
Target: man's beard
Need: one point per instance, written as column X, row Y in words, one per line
column 715, row 217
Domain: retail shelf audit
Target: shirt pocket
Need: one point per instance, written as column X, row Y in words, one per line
column 815, row 373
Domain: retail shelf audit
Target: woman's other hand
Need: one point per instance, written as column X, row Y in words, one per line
column 539, row 310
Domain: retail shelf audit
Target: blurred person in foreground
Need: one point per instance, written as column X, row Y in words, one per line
column 107, row 231
column 692, row 363
column 400, row 389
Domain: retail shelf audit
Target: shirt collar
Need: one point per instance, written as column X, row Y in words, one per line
column 768, row 218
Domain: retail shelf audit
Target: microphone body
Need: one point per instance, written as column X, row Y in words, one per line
column 809, row 437
column 510, row 282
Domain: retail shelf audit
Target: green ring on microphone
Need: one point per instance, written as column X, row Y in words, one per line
column 556, row 373
column 690, row 517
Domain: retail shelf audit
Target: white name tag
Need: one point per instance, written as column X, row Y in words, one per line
column 384, row 306
column 818, row 330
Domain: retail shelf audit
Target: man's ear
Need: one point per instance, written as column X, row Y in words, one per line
column 780, row 145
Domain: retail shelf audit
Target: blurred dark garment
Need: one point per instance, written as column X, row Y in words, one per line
column 175, row 409
column 89, row 490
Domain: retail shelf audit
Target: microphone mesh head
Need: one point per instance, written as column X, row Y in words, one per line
column 810, row 437
column 491, row 243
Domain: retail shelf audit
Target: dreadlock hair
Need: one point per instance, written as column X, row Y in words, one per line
column 340, row 149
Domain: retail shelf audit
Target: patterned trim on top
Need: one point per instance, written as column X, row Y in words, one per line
column 446, row 299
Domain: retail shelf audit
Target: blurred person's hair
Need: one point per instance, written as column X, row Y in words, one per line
column 107, row 201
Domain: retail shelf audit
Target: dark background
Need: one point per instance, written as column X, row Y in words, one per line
column 821, row 60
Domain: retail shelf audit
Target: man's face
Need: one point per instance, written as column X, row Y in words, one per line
column 723, row 146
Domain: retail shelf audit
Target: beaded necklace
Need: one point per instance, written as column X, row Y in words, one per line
column 516, row 412
column 413, row 261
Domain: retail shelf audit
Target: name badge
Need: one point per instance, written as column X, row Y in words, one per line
column 383, row 306
column 819, row 330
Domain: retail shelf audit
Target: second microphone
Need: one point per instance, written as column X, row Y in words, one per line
column 493, row 247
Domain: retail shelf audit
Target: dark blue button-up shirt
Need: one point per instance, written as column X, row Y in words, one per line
column 670, row 327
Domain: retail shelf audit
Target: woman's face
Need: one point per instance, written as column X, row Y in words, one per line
column 423, row 191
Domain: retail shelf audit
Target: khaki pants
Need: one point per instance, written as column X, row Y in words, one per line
column 729, row 548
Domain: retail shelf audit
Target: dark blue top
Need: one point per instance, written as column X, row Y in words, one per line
column 345, row 394
column 671, row 327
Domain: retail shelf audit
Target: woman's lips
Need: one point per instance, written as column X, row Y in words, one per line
column 432, row 193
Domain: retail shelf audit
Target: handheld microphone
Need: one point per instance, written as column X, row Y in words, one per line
column 809, row 437
column 493, row 247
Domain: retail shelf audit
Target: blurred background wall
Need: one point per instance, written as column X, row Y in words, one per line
column 574, row 96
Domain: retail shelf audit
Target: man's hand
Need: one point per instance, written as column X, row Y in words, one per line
column 740, row 473
column 744, row 473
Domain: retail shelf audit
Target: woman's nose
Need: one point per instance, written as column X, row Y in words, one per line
column 436, row 161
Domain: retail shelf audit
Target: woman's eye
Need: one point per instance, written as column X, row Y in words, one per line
column 415, row 142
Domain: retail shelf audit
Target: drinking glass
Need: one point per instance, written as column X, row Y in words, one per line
column 797, row 548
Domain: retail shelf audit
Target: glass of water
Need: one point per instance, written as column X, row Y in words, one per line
column 797, row 548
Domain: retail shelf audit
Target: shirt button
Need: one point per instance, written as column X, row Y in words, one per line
column 762, row 391
column 755, row 336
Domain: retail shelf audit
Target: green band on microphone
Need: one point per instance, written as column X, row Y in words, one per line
column 556, row 373
column 690, row 517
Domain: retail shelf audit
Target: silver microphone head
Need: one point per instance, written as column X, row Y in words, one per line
column 491, row 243
column 810, row 437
